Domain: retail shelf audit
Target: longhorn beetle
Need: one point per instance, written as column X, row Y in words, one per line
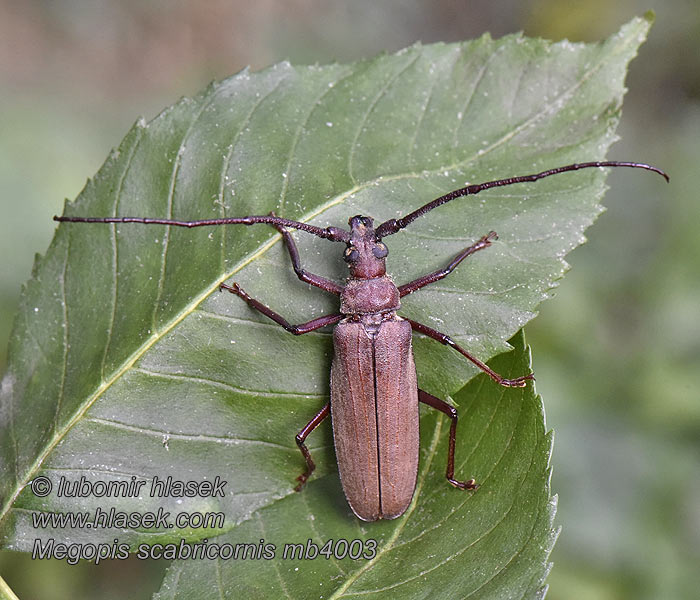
column 374, row 391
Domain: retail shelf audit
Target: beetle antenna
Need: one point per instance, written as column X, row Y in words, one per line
column 329, row 233
column 393, row 225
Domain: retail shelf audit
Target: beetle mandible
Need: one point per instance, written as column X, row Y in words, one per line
column 374, row 390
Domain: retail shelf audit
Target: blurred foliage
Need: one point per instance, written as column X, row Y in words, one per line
column 615, row 353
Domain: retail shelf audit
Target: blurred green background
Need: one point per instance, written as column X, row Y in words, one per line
column 616, row 352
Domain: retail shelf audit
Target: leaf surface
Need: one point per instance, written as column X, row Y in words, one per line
column 492, row 543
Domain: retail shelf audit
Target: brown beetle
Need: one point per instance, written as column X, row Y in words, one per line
column 374, row 390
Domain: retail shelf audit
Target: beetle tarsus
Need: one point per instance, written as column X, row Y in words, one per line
column 470, row 484
column 310, row 465
column 303, row 478
column 517, row 382
column 233, row 288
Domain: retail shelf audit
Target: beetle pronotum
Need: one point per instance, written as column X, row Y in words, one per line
column 374, row 390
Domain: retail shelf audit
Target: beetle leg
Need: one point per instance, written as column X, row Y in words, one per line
column 301, row 437
column 484, row 242
column 306, row 277
column 447, row 340
column 280, row 320
column 451, row 412
column 296, row 330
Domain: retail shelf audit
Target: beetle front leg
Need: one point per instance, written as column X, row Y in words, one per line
column 301, row 437
column 409, row 288
column 451, row 412
column 279, row 319
column 447, row 340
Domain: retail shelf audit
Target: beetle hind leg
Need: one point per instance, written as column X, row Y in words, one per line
column 448, row 341
column 450, row 411
column 301, row 437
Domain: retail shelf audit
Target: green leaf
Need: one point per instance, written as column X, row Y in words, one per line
column 492, row 543
column 449, row 543
column 126, row 360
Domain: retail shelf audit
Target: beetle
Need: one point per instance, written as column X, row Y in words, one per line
column 374, row 395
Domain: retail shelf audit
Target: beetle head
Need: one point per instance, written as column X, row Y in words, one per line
column 365, row 254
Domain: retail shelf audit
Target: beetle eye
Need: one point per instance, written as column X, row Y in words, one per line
column 351, row 255
column 380, row 251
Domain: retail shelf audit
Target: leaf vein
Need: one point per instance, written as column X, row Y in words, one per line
column 419, row 122
column 369, row 111
column 219, row 585
column 312, row 524
column 250, row 322
column 227, row 163
column 195, row 437
column 512, row 506
column 468, row 102
column 115, row 251
column 286, row 176
column 171, row 195
column 226, row 386
column 557, row 104
column 283, row 584
column 64, row 366
column 517, row 86
column 92, row 471
column 178, row 572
